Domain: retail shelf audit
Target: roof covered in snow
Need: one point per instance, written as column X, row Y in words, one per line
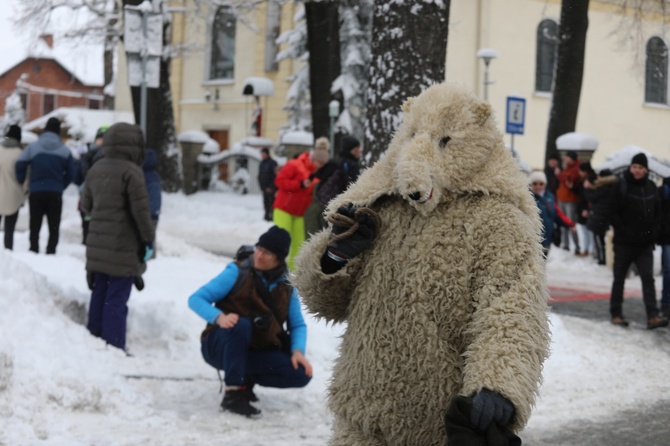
column 577, row 141
column 81, row 123
column 621, row 159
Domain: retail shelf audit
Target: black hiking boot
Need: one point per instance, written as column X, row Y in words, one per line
column 237, row 401
column 249, row 384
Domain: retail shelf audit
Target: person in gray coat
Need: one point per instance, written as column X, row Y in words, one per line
column 121, row 233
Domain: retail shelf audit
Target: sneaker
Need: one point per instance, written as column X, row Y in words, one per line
column 237, row 401
column 620, row 321
column 656, row 322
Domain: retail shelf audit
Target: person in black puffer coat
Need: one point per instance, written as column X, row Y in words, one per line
column 598, row 222
column 121, row 233
column 635, row 215
column 664, row 241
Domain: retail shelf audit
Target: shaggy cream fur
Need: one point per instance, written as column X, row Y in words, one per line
column 451, row 297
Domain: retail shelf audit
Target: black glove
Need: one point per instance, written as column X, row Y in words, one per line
column 139, row 283
column 351, row 246
column 90, row 279
column 489, row 406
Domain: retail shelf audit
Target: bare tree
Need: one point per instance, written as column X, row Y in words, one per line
column 569, row 71
column 405, row 60
column 92, row 21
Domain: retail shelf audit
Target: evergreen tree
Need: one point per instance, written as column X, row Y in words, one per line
column 298, row 101
column 352, row 84
column 14, row 113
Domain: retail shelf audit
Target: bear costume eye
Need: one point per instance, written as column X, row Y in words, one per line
column 443, row 142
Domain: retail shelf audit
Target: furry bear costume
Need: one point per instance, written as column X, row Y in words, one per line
column 451, row 297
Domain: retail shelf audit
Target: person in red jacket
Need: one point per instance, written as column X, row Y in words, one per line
column 568, row 197
column 295, row 182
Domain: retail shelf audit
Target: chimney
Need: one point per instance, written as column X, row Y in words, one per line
column 48, row 39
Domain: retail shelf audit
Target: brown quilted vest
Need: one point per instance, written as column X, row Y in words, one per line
column 247, row 302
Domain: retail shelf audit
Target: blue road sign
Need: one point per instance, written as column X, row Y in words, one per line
column 516, row 115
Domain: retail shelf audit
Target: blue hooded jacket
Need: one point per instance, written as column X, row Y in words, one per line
column 51, row 164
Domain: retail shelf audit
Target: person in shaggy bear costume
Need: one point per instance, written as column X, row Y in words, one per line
column 440, row 279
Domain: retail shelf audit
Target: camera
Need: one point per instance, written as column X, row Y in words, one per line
column 262, row 322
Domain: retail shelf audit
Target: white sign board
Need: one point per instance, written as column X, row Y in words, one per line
column 153, row 71
column 133, row 36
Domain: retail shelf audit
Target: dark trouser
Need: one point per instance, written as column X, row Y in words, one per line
column 624, row 256
column 10, row 224
column 84, row 226
column 108, row 310
column 227, row 349
column 51, row 205
column 599, row 242
column 268, row 199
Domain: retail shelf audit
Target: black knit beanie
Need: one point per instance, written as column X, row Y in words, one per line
column 349, row 142
column 277, row 241
column 14, row 132
column 53, row 125
column 640, row 159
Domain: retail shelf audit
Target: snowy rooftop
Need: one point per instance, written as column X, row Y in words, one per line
column 623, row 157
column 82, row 123
column 85, row 61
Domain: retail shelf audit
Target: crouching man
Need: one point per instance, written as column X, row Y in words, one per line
column 255, row 329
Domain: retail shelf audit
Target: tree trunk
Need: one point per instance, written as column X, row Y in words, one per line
column 405, row 60
column 323, row 44
column 569, row 71
column 110, row 47
column 160, row 132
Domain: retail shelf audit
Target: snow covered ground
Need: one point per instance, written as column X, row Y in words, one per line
column 61, row 386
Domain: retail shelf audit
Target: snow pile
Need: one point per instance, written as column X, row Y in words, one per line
column 61, row 386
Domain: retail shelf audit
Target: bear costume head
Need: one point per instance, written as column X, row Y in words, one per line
column 448, row 144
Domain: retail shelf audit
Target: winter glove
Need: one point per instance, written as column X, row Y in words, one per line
column 148, row 251
column 350, row 246
column 90, row 279
column 489, row 406
column 139, row 283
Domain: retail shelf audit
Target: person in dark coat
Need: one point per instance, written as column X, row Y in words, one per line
column 598, row 222
column 588, row 177
column 552, row 217
column 635, row 216
column 347, row 172
column 552, row 170
column 51, row 171
column 153, row 183
column 267, row 171
column 664, row 242
column 121, row 233
column 92, row 155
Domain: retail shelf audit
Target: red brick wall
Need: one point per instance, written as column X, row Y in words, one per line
column 46, row 73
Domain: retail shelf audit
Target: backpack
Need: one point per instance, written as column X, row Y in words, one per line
column 244, row 259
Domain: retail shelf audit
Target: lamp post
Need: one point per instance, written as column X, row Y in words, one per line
column 333, row 112
column 487, row 55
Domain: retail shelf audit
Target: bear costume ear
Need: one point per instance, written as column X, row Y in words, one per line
column 482, row 111
column 407, row 105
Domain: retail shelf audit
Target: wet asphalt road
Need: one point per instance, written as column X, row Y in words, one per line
column 649, row 426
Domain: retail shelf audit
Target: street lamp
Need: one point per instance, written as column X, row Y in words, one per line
column 487, row 55
column 333, row 112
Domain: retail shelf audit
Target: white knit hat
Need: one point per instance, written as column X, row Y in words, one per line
column 537, row 175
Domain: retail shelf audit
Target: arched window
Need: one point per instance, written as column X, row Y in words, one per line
column 656, row 76
column 545, row 58
column 222, row 50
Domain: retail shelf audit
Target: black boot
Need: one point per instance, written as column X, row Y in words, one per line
column 249, row 384
column 237, row 401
